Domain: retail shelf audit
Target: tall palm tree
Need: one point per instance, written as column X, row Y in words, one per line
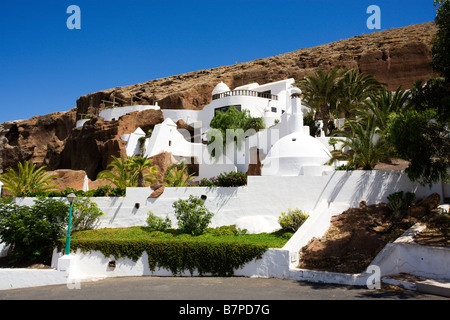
column 366, row 151
column 27, row 177
column 141, row 164
column 353, row 89
column 320, row 92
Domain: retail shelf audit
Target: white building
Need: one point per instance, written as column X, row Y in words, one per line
column 285, row 146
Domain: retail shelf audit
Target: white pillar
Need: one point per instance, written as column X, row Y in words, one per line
column 296, row 118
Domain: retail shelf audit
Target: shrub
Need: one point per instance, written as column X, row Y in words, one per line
column 399, row 202
column 101, row 191
column 116, row 192
column 157, row 223
column 33, row 231
column 193, row 217
column 211, row 182
column 344, row 167
column 232, row 179
column 85, row 214
column 222, row 231
column 292, row 220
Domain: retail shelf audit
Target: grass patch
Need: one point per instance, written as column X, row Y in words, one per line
column 218, row 251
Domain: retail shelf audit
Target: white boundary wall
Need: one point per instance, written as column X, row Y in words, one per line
column 256, row 207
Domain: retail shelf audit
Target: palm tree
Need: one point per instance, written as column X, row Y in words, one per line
column 27, row 177
column 383, row 103
column 366, row 150
column 177, row 175
column 139, row 165
column 121, row 174
column 320, row 92
column 353, row 89
column 129, row 172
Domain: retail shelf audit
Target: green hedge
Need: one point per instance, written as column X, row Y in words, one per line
column 101, row 191
column 208, row 254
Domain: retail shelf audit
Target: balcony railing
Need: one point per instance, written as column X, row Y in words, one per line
column 245, row 93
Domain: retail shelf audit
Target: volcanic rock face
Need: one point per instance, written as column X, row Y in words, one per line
column 396, row 57
column 91, row 147
column 40, row 139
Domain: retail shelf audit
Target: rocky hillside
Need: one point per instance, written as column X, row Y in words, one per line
column 396, row 57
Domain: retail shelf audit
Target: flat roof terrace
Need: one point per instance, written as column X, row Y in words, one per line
column 250, row 93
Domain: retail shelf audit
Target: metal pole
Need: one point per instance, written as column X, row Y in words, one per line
column 68, row 231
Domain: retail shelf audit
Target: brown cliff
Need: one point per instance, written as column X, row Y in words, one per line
column 40, row 139
column 396, row 57
column 91, row 147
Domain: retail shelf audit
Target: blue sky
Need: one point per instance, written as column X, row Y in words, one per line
column 45, row 67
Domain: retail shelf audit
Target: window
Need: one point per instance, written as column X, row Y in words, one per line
column 225, row 108
column 274, row 109
column 170, row 143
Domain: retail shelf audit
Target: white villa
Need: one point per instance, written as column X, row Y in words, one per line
column 286, row 148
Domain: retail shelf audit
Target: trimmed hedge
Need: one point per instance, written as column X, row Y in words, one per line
column 207, row 254
column 101, row 191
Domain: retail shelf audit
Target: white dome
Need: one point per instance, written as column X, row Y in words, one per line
column 220, row 88
column 292, row 154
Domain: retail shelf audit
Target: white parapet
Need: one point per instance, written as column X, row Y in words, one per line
column 116, row 113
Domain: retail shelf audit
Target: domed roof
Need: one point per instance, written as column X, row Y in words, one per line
column 220, row 88
column 290, row 155
column 299, row 144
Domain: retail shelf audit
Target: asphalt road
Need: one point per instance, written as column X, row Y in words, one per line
column 207, row 288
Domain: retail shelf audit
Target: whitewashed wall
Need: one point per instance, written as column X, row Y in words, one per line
column 258, row 205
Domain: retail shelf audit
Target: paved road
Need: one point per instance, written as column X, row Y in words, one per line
column 206, row 288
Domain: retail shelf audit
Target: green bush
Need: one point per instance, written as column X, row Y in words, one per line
column 32, row 232
column 85, row 214
column 211, row 182
column 101, row 191
column 232, row 179
column 158, row 223
column 399, row 202
column 216, row 252
column 226, row 231
column 292, row 220
column 345, row 167
column 117, row 192
column 193, row 217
